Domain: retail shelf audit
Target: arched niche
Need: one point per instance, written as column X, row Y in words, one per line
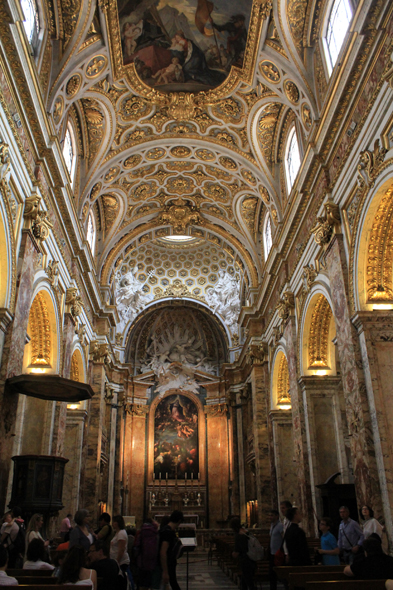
column 281, row 398
column 318, row 356
column 168, row 399
column 373, row 284
column 41, row 354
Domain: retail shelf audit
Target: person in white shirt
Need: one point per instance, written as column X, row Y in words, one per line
column 118, row 548
column 33, row 531
column 4, row 579
column 370, row 524
column 35, row 556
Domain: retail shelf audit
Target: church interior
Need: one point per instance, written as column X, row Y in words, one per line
column 196, row 258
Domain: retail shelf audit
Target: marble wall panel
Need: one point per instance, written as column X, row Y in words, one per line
column 287, row 483
column 135, row 466
column 353, row 380
column 217, row 469
column 260, row 403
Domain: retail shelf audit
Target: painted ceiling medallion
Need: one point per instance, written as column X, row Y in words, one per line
column 185, row 48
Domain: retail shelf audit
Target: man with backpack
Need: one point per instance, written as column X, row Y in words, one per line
column 249, row 551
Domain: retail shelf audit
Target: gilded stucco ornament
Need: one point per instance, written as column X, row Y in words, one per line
column 264, row 194
column 180, row 214
column 309, row 276
column 73, row 302
column 182, row 106
column 95, row 66
column 369, row 163
column 37, row 220
column 73, row 85
column 270, row 71
column 285, row 306
column 257, row 353
column 326, row 224
column 58, row 109
column 306, row 116
column 52, row 270
column 5, row 160
column 291, row 91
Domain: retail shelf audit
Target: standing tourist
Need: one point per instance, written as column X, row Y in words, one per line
column 81, row 534
column 329, row 548
column 118, row 550
column 169, row 549
column 295, row 540
column 247, row 565
column 370, row 524
column 350, row 536
column 276, row 532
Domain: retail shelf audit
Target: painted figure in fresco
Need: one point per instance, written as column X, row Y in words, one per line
column 173, row 73
column 236, row 40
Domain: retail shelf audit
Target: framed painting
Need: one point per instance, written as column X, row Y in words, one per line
column 184, row 45
column 176, row 449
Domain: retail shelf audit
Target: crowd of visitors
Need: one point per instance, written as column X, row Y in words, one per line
column 109, row 558
column 113, row 558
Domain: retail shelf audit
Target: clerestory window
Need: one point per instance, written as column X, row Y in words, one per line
column 69, row 151
column 292, row 158
column 31, row 22
column 91, row 232
column 267, row 236
column 337, row 26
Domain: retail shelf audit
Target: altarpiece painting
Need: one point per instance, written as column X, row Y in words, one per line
column 176, row 438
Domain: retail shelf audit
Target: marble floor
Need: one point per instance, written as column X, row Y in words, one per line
column 202, row 576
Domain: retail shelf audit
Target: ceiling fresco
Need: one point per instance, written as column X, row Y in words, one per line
column 183, row 46
column 196, row 149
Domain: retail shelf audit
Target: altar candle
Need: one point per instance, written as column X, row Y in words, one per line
column 159, row 483
column 154, row 479
column 185, row 480
column 192, row 479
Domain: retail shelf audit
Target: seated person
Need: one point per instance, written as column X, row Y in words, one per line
column 4, row 579
column 36, row 556
column 375, row 565
column 74, row 572
column 110, row 576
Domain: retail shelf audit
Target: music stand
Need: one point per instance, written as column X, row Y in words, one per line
column 187, row 534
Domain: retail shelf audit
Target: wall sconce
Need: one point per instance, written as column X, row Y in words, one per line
column 72, row 406
column 381, row 299
column 284, row 402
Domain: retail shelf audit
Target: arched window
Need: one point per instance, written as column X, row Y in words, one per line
column 267, row 236
column 69, row 151
column 337, row 26
column 91, row 232
column 292, row 158
column 31, row 22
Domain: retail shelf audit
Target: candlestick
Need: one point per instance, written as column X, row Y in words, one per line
column 192, row 480
column 185, row 481
column 154, row 480
column 159, row 481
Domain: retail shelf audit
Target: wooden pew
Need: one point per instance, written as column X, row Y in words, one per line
column 283, row 571
column 35, row 580
column 37, row 587
column 347, row 585
column 299, row 579
column 21, row 572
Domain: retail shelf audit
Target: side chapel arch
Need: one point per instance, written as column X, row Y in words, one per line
column 280, row 382
column 318, row 355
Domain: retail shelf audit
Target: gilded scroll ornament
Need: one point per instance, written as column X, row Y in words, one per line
column 283, row 393
column 73, row 302
column 228, row 163
column 309, row 276
column 249, row 177
column 205, row 155
column 53, row 272
column 325, row 225
column 248, row 210
column 155, row 154
column 177, row 290
column 285, row 305
column 40, row 332
column 182, row 106
column 132, row 161
column 256, row 354
column 369, row 163
column 264, row 194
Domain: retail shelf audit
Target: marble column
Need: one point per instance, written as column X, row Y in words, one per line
column 112, row 405
column 298, row 425
column 59, row 427
column 217, row 464
column 260, row 387
column 240, row 455
column 13, row 349
column 73, row 446
column 134, row 477
column 375, row 329
column 285, row 466
column 325, row 433
column 233, row 459
column 353, row 379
